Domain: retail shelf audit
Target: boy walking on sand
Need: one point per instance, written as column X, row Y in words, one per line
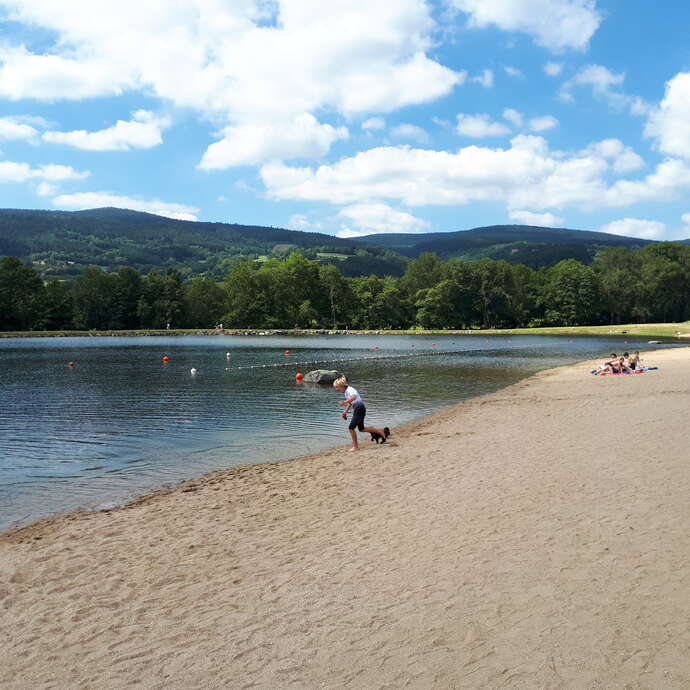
column 354, row 401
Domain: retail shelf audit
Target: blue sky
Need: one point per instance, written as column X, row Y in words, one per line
column 352, row 118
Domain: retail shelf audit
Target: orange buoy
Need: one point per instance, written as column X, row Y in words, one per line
column 433, row 344
column 298, row 376
column 166, row 359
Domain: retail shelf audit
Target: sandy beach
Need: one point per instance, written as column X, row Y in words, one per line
column 534, row 538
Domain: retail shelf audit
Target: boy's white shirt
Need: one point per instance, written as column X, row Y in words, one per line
column 349, row 392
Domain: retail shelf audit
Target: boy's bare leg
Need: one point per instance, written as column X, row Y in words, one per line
column 355, row 444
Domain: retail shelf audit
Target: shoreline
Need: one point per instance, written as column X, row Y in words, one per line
column 514, row 539
column 11, row 533
column 226, row 473
column 673, row 331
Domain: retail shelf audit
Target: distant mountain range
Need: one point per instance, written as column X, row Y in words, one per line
column 61, row 244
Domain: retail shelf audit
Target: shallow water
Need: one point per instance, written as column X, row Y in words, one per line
column 120, row 422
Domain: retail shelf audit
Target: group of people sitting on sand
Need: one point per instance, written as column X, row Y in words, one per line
column 626, row 364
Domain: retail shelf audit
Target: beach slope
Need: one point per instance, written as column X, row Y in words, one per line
column 534, row 538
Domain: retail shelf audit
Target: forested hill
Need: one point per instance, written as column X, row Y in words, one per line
column 62, row 244
column 525, row 244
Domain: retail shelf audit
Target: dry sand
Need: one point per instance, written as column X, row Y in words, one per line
column 534, row 538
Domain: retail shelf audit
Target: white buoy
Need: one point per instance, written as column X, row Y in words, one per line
column 227, row 355
column 192, row 371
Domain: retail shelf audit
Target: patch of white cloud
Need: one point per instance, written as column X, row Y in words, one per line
column 252, row 144
column 143, row 131
column 601, row 80
column 13, row 129
column 301, row 221
column 486, row 78
column 47, row 189
column 669, row 123
column 635, row 227
column 236, row 63
column 411, row 133
column 542, row 124
column 52, row 77
column 374, row 124
column 85, row 200
column 685, row 230
column 480, row 126
column 11, row 171
column 670, row 180
column 553, row 24
column 621, row 157
column 526, row 175
column 513, row 116
column 374, row 218
column 553, row 69
column 547, row 220
column 513, row 71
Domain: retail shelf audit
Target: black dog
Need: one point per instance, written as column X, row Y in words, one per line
column 377, row 438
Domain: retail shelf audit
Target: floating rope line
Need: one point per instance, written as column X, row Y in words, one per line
column 344, row 359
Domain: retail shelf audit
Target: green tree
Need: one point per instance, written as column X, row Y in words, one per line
column 59, row 306
column 94, row 301
column 22, row 296
column 162, row 300
column 127, row 293
column 338, row 295
column 247, row 296
column 422, row 273
column 205, row 303
column 571, row 294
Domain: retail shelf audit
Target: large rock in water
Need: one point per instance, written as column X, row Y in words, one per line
column 322, row 376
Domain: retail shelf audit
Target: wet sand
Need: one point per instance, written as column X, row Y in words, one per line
column 534, row 538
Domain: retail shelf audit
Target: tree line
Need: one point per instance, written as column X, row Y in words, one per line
column 621, row 286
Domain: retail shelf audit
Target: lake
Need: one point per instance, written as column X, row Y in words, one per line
column 120, row 422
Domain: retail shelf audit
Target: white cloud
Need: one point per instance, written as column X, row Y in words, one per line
column 486, row 79
column 525, row 175
column 685, row 231
column 51, row 77
column 602, row 82
column 554, row 24
column 670, row 179
column 11, row 128
column 479, row 126
column 513, row 116
column 541, row 124
column 300, row 221
column 411, row 132
column 553, row 69
column 547, row 220
column 669, row 123
column 635, row 227
column 47, row 189
column 225, row 61
column 374, row 124
column 84, row 200
column 622, row 158
column 23, row 172
column 513, row 71
column 372, row 218
column 252, row 144
column 143, row 131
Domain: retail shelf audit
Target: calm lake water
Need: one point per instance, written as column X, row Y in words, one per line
column 120, row 422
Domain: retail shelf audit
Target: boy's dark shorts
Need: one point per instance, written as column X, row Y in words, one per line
column 357, row 422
